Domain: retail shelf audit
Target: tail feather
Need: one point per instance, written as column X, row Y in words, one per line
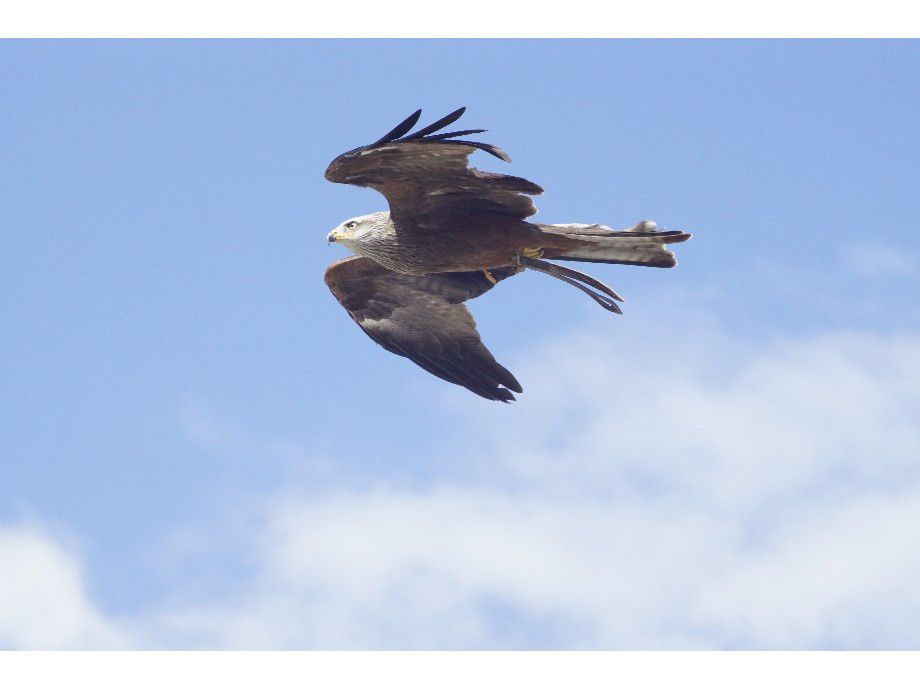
column 642, row 245
column 592, row 287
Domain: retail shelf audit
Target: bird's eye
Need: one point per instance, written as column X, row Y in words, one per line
column 350, row 224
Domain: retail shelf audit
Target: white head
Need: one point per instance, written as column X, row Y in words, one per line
column 354, row 230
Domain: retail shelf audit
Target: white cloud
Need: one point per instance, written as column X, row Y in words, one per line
column 657, row 487
column 43, row 601
column 880, row 261
column 841, row 575
column 679, row 490
column 737, row 429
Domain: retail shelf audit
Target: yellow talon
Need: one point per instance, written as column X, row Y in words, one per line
column 489, row 276
column 533, row 253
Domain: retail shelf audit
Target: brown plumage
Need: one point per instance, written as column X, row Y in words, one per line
column 451, row 233
column 423, row 318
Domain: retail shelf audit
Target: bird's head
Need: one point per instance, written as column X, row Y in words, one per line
column 354, row 230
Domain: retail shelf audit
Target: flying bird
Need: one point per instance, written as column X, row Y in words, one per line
column 452, row 233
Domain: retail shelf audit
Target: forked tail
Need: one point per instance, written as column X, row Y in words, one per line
column 642, row 245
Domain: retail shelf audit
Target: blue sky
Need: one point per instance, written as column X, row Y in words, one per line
column 198, row 448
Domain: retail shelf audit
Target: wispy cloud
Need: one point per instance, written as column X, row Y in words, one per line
column 881, row 261
column 659, row 487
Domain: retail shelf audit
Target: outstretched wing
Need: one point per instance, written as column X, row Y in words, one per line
column 423, row 318
column 426, row 180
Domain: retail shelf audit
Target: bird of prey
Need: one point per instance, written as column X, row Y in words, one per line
column 451, row 234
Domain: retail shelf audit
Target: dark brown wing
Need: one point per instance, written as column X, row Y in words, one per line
column 426, row 180
column 423, row 318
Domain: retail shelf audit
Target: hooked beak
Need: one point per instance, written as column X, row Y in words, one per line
column 333, row 236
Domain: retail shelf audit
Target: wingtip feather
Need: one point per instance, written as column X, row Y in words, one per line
column 438, row 124
column 400, row 129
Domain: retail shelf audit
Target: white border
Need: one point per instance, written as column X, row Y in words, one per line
column 460, row 670
column 470, row 18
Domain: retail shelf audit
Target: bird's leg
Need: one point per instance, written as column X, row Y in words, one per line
column 527, row 253
column 488, row 274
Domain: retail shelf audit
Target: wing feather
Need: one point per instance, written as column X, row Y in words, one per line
column 400, row 129
column 440, row 124
column 423, row 318
column 426, row 178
